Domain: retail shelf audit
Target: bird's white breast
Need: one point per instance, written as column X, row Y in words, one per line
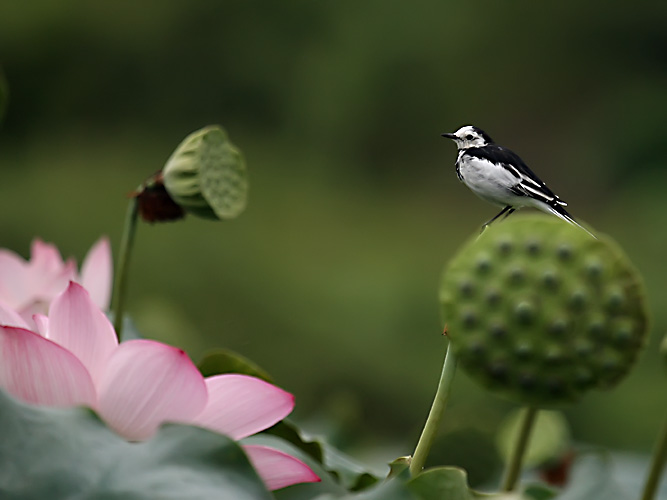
column 489, row 181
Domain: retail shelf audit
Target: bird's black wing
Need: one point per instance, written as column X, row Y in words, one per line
column 528, row 184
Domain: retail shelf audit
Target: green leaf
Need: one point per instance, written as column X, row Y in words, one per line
column 549, row 439
column 222, row 361
column 451, row 483
column 352, row 474
column 70, row 453
column 539, row 492
column 288, row 431
column 397, row 466
column 442, row 482
column 392, row 489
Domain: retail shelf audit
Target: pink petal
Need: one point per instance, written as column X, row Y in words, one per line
column 240, row 405
column 13, row 281
column 55, row 283
column 96, row 273
column 48, row 274
column 45, row 258
column 31, row 308
column 9, row 317
column 42, row 324
column 278, row 469
column 36, row 370
column 148, row 383
column 79, row 326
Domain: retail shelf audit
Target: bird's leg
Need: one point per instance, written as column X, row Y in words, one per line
column 505, row 211
column 509, row 212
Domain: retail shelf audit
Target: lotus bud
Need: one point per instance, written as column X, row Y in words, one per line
column 539, row 311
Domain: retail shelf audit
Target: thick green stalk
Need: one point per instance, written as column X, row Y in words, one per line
column 435, row 415
column 657, row 464
column 122, row 271
column 516, row 459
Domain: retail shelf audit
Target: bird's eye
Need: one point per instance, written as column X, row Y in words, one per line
column 469, row 137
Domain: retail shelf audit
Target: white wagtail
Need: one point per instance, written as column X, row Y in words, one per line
column 497, row 174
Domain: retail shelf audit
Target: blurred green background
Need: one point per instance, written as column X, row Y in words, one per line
column 329, row 279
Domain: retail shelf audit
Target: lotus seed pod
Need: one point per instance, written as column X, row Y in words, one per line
column 539, row 311
column 206, row 175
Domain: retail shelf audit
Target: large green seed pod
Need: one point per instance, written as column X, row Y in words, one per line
column 206, row 175
column 539, row 311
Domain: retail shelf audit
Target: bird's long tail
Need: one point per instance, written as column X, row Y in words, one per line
column 558, row 210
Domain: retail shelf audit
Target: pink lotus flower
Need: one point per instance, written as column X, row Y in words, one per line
column 29, row 286
column 135, row 386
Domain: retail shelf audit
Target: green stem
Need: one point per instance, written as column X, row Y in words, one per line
column 516, row 459
column 435, row 415
column 122, row 272
column 657, row 464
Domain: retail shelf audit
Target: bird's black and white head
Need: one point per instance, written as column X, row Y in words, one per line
column 469, row 137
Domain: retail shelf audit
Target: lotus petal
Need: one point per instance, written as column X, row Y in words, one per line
column 147, row 383
column 278, row 469
column 39, row 371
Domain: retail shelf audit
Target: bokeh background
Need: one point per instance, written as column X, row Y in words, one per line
column 329, row 279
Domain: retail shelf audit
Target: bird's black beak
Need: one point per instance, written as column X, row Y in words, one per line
column 449, row 136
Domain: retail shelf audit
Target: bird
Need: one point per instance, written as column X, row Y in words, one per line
column 498, row 175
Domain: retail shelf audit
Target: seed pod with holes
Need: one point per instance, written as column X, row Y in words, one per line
column 206, row 175
column 539, row 311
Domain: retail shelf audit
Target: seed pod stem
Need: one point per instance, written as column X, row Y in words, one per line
column 657, row 464
column 122, row 273
column 513, row 468
column 435, row 415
